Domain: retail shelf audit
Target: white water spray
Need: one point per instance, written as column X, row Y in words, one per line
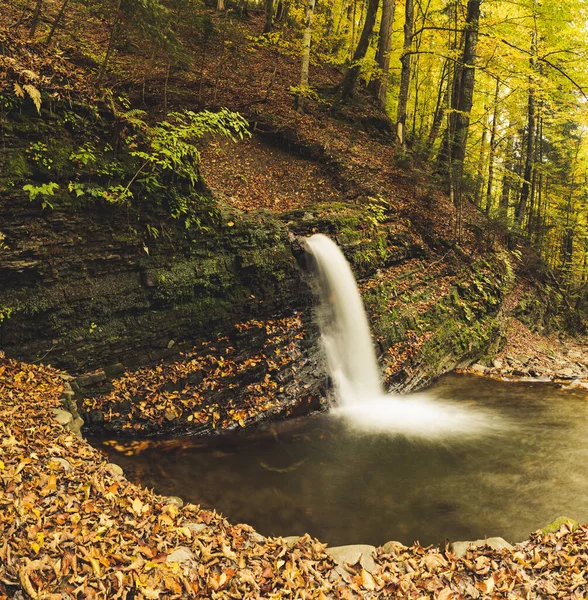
column 354, row 369
column 344, row 326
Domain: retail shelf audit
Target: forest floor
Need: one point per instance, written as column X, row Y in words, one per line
column 73, row 525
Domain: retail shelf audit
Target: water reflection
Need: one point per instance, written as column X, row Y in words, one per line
column 344, row 487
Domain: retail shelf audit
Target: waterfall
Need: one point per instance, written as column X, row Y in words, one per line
column 344, row 326
column 352, row 364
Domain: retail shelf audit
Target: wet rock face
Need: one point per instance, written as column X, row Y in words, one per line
column 83, row 292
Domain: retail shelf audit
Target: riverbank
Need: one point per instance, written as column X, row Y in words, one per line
column 528, row 356
column 73, row 524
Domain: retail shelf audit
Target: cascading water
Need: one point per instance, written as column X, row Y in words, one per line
column 353, row 367
column 344, row 327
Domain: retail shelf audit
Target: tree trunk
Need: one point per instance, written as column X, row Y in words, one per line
column 110, row 44
column 305, row 62
column 524, row 197
column 492, row 149
column 379, row 85
column 35, row 20
column 465, row 97
column 22, row 14
column 220, row 5
column 405, row 74
column 57, row 21
column 347, row 86
column 481, row 160
column 442, row 100
column 269, row 16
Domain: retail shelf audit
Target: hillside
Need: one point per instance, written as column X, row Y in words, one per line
column 139, row 286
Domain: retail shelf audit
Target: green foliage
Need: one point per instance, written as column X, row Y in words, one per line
column 45, row 190
column 5, row 312
column 84, row 156
column 38, row 153
column 306, row 92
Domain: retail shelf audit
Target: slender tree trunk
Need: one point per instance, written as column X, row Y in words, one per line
column 442, row 101
column 57, row 20
column 269, row 16
column 35, row 20
column 492, row 148
column 220, row 5
column 110, row 44
column 533, row 209
column 405, row 73
column 353, row 28
column 22, row 14
column 481, row 160
column 305, row 62
column 347, row 86
column 530, row 146
column 379, row 85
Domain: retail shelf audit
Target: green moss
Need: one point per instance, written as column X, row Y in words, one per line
column 18, row 169
column 556, row 525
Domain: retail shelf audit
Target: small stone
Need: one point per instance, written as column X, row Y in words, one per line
column 352, row 554
column 523, row 359
column 498, row 363
column 68, row 394
column 171, row 344
column 114, row 371
column 568, row 373
column 75, row 426
column 169, row 415
column 393, row 547
column 181, row 555
column 196, row 528
column 257, row 538
column 478, row 368
column 91, row 379
column 175, row 500
column 497, row 543
column 114, row 470
column 62, row 416
column 291, row 540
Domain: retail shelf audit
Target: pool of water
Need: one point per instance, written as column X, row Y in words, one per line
column 343, row 486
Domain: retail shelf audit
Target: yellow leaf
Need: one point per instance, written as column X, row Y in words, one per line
column 137, row 506
column 230, row 224
column 18, row 91
column 35, row 95
column 96, row 566
column 2, row 466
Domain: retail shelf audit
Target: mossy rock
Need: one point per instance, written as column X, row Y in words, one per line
column 556, row 525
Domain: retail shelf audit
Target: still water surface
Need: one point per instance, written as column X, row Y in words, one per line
column 315, row 475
